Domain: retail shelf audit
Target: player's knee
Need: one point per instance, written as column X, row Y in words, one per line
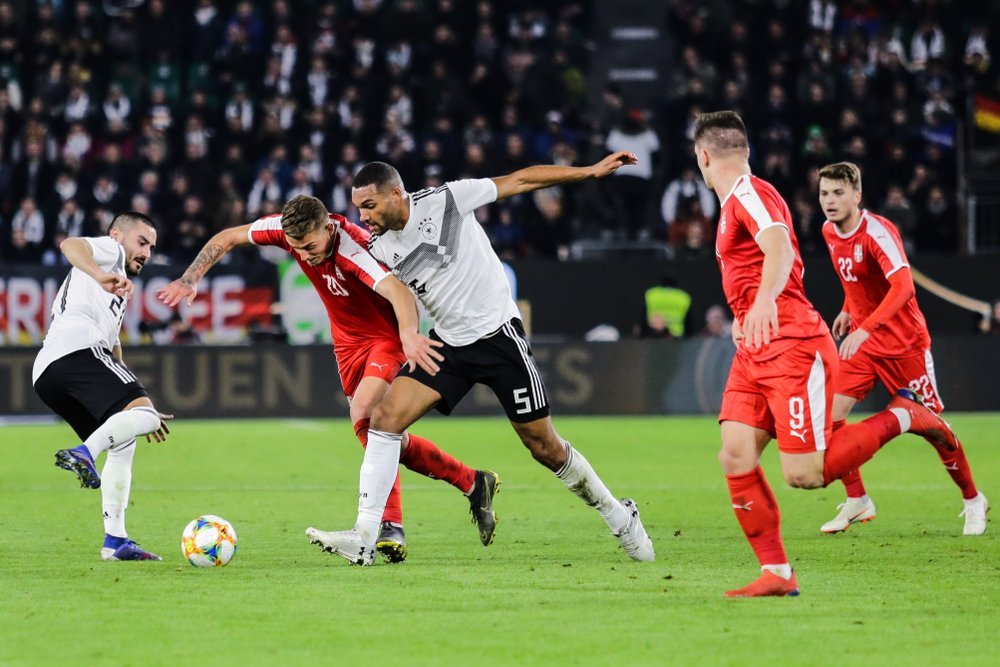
column 736, row 459
column 360, row 410
column 383, row 419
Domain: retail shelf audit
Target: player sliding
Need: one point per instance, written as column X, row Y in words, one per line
column 373, row 320
column 80, row 375
column 781, row 380
column 433, row 243
column 884, row 333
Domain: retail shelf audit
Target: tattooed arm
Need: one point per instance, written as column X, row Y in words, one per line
column 187, row 285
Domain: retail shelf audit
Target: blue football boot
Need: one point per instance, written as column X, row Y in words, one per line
column 122, row 548
column 78, row 461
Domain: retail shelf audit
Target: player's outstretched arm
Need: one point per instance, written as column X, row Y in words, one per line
column 79, row 253
column 547, row 175
column 418, row 349
column 187, row 285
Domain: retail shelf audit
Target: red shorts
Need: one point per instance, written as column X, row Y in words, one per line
column 381, row 359
column 858, row 375
column 789, row 396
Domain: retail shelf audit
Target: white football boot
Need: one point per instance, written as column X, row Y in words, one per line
column 348, row 544
column 853, row 510
column 975, row 515
column 633, row 537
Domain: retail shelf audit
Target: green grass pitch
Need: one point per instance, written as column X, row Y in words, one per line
column 553, row 589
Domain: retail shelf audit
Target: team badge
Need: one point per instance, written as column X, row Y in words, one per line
column 859, row 253
column 722, row 224
column 428, row 230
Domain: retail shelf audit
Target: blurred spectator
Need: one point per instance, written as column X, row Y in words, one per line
column 689, row 185
column 633, row 182
column 27, row 232
column 666, row 309
column 717, row 323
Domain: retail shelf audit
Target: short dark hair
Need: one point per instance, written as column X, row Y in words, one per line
column 302, row 215
column 378, row 174
column 843, row 171
column 721, row 132
column 126, row 219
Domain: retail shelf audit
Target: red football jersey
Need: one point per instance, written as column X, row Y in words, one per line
column 752, row 206
column 864, row 260
column 345, row 282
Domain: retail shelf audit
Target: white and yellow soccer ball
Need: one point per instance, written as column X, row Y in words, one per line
column 209, row 541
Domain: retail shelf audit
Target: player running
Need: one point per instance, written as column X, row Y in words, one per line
column 884, row 333
column 433, row 243
column 80, row 375
column 781, row 381
column 373, row 320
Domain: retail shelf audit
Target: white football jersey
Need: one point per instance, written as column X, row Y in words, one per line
column 445, row 257
column 83, row 314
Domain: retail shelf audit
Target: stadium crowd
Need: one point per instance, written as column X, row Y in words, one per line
column 208, row 113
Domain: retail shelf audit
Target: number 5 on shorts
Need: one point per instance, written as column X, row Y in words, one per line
column 522, row 400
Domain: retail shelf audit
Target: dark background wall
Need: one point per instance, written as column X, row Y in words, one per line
column 572, row 297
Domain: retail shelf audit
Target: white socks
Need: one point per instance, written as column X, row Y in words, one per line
column 783, row 570
column 116, row 482
column 122, row 427
column 904, row 419
column 580, row 478
column 378, row 472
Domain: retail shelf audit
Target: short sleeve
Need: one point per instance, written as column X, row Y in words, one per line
column 886, row 247
column 107, row 252
column 267, row 231
column 761, row 209
column 472, row 193
column 356, row 259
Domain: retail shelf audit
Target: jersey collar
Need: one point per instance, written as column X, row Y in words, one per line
column 733, row 189
column 861, row 222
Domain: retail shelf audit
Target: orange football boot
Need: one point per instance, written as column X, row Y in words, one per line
column 767, row 584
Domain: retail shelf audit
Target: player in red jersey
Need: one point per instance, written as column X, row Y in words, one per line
column 781, row 381
column 884, row 334
column 373, row 320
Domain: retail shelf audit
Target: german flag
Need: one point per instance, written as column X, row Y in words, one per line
column 987, row 114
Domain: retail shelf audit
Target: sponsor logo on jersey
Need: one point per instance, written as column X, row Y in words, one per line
column 722, row 224
column 859, row 253
column 340, row 276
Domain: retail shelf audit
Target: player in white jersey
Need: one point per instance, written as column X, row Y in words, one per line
column 80, row 375
column 432, row 242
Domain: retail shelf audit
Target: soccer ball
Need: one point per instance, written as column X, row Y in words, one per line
column 209, row 541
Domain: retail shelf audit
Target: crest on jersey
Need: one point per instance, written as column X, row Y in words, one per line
column 859, row 253
column 428, row 230
column 722, row 224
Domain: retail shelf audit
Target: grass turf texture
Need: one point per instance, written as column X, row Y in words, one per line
column 554, row 588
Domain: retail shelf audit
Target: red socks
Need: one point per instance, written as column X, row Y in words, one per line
column 394, row 505
column 851, row 479
column 758, row 514
column 958, row 467
column 426, row 458
column 853, row 445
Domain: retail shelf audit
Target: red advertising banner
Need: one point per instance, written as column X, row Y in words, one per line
column 229, row 303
